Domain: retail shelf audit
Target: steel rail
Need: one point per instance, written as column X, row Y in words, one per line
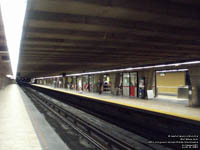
column 96, row 136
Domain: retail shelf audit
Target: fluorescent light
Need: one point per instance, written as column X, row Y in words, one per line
column 49, row 77
column 137, row 68
column 13, row 12
column 133, row 69
column 174, row 70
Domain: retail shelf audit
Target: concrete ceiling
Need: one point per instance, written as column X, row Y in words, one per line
column 5, row 67
column 86, row 35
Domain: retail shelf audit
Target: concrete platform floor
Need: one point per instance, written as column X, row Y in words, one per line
column 22, row 127
column 172, row 99
column 167, row 106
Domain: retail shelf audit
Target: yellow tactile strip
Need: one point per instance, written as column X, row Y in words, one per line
column 124, row 103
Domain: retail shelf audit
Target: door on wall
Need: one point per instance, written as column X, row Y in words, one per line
column 133, row 84
column 126, row 84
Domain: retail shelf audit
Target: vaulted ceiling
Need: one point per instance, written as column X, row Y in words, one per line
column 86, row 35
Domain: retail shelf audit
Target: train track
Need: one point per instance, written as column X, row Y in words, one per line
column 151, row 126
column 99, row 138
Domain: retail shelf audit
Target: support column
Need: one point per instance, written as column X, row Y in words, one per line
column 115, row 80
column 149, row 79
column 148, row 76
column 70, row 82
column 97, row 78
column 194, row 94
column 64, row 82
column 45, row 82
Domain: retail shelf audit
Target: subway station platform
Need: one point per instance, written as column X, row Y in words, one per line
column 167, row 107
column 22, row 126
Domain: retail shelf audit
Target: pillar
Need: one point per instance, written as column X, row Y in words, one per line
column 148, row 75
column 194, row 94
column 70, row 82
column 64, row 82
column 149, row 79
column 45, row 81
column 115, row 81
column 97, row 78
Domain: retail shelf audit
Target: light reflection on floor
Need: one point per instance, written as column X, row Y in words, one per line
column 16, row 130
column 171, row 99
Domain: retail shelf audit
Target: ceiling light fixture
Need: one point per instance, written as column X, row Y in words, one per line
column 131, row 69
column 138, row 68
column 13, row 13
column 49, row 77
column 174, row 70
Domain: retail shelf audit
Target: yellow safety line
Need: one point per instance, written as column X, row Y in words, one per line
column 129, row 105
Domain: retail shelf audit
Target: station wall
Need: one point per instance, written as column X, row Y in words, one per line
column 168, row 83
column 4, row 82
